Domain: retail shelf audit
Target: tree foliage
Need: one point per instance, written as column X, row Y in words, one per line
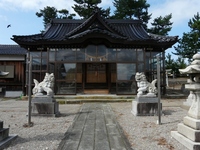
column 132, row 9
column 161, row 25
column 85, row 8
column 49, row 13
column 175, row 65
column 64, row 14
column 169, row 61
column 189, row 44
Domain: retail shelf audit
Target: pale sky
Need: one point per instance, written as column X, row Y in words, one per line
column 21, row 15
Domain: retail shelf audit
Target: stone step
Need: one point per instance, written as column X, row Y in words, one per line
column 191, row 145
column 70, row 101
column 5, row 143
column 188, row 132
column 64, row 99
column 93, row 96
column 191, row 122
column 4, row 133
column 5, row 138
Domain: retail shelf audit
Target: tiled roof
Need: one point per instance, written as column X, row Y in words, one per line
column 116, row 31
column 12, row 50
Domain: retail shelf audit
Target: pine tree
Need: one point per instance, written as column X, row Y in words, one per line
column 49, row 13
column 132, row 9
column 189, row 44
column 64, row 14
column 161, row 25
column 85, row 8
column 174, row 65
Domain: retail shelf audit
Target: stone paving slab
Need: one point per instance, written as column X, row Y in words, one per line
column 94, row 128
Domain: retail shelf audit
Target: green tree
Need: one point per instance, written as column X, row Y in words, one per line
column 189, row 44
column 175, row 65
column 184, row 48
column 64, row 14
column 85, row 8
column 132, row 9
column 49, row 13
column 161, row 25
column 169, row 62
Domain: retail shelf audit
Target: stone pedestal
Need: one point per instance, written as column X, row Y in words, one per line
column 5, row 139
column 188, row 133
column 145, row 106
column 44, row 106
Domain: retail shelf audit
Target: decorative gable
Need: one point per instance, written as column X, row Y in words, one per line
column 98, row 25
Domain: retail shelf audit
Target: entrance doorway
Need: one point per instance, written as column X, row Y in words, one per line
column 96, row 78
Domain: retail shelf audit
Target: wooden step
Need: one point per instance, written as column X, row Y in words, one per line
column 96, row 91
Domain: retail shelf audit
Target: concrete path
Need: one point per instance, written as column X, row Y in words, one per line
column 94, row 128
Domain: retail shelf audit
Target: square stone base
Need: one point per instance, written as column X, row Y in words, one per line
column 144, row 106
column 185, row 141
column 188, row 133
column 44, row 106
column 191, row 122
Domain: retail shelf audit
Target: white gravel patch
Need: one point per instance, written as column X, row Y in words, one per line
column 46, row 133
column 144, row 133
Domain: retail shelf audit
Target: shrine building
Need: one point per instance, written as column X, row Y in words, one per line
column 96, row 54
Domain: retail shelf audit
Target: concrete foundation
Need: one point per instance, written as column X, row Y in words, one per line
column 145, row 106
column 45, row 106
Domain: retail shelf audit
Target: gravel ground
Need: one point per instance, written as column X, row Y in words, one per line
column 144, row 133
column 47, row 132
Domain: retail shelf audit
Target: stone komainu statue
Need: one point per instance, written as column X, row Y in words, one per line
column 46, row 86
column 144, row 87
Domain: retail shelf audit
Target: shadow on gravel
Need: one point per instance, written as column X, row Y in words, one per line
column 168, row 112
column 67, row 114
column 175, row 121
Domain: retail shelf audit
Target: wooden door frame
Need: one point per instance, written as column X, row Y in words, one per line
column 85, row 74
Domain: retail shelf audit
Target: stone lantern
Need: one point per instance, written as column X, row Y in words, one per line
column 189, row 131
